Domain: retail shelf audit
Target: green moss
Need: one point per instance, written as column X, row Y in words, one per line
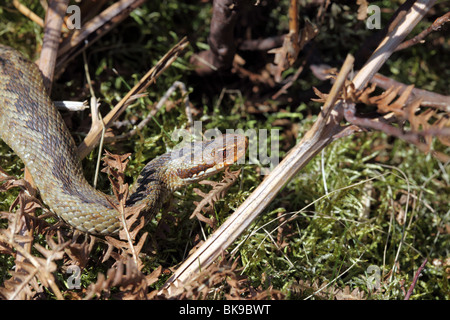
column 341, row 227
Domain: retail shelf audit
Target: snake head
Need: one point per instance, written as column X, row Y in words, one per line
column 198, row 160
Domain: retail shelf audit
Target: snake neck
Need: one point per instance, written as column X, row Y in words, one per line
column 151, row 189
column 34, row 129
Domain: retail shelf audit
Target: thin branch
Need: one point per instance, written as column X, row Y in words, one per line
column 123, row 220
column 371, row 43
column 436, row 25
column 93, row 30
column 416, row 277
column 262, row 44
column 429, row 98
column 28, row 13
column 94, row 134
column 411, row 137
column 321, row 134
column 53, row 23
column 220, row 39
column 159, row 105
column 392, row 40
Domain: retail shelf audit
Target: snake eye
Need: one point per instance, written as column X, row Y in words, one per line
column 222, row 155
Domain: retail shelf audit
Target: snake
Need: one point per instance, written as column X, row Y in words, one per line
column 34, row 129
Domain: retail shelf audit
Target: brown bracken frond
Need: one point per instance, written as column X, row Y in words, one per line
column 31, row 274
column 396, row 116
column 223, row 280
column 218, row 191
column 407, row 121
column 131, row 282
column 132, row 222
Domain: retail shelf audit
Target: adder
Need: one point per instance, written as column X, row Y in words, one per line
column 36, row 132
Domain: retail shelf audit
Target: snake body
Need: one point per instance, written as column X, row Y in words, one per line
column 34, row 129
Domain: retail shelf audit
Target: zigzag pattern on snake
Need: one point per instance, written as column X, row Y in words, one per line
column 34, row 129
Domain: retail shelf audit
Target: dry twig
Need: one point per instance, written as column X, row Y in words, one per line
column 220, row 39
column 52, row 32
column 428, row 98
column 95, row 132
column 324, row 131
column 155, row 109
column 28, row 13
column 416, row 277
column 293, row 42
column 436, row 25
column 93, row 30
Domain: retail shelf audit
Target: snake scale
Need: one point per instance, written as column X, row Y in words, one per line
column 36, row 132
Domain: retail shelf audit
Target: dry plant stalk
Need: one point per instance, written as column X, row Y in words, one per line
column 436, row 25
column 54, row 19
column 429, row 99
column 404, row 26
column 293, row 42
column 150, row 77
column 28, row 13
column 155, row 109
column 94, row 29
column 325, row 130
